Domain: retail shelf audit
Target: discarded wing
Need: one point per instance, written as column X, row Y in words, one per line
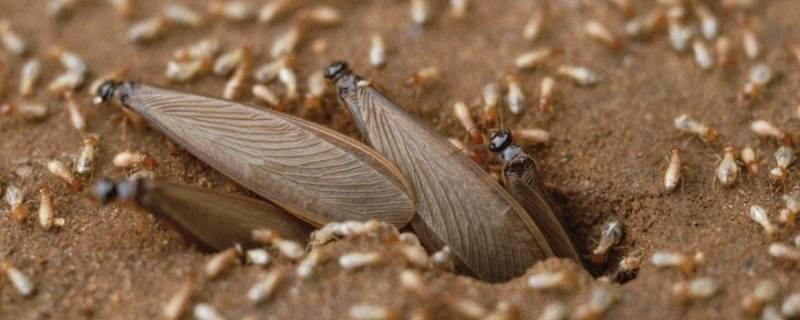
column 523, row 182
column 211, row 219
column 458, row 203
column 313, row 172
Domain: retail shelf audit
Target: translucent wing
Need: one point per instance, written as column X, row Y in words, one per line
column 315, row 173
column 457, row 201
column 217, row 220
column 526, row 187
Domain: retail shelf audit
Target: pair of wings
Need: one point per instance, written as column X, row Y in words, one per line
column 464, row 208
column 315, row 173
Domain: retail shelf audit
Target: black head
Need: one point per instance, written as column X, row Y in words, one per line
column 335, row 69
column 104, row 190
column 105, row 91
column 500, row 140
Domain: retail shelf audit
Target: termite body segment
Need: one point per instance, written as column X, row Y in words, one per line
column 217, row 222
column 524, row 182
column 477, row 217
column 313, row 172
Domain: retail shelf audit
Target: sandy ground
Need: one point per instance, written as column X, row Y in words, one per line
column 605, row 161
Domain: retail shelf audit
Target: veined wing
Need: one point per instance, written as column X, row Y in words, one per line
column 486, row 229
column 315, row 173
column 524, row 184
column 217, row 220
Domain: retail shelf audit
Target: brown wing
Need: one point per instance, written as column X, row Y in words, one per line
column 315, row 173
column 465, row 208
column 217, row 220
column 523, row 183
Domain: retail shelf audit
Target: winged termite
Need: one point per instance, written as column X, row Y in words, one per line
column 211, row 219
column 522, row 180
column 459, row 204
column 313, row 172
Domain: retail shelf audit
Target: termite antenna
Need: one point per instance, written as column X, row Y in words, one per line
column 335, row 69
column 106, row 190
column 500, row 140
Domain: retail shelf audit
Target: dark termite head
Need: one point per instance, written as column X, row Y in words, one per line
column 500, row 140
column 106, row 190
column 110, row 88
column 335, row 69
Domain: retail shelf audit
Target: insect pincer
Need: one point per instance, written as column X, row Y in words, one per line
column 500, row 140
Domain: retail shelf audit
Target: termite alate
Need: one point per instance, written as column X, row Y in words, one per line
column 554, row 311
column 673, row 175
column 46, row 211
column 551, row 280
column 19, row 280
column 264, row 288
column 306, row 266
column 148, row 29
column 599, row 302
column 59, row 169
column 708, row 22
column 723, row 47
column 263, row 93
column 423, row 76
column 748, row 156
column 458, row 8
column 15, row 198
column 697, row 289
column 123, row 7
column 228, row 61
column 534, row 26
column 29, row 111
column 183, row 71
column 76, row 117
column 531, row 136
column 134, row 159
column 728, row 170
column 419, row 12
column 791, row 306
column 611, row 235
column 685, row 123
column 370, row 312
column 596, row 30
column 29, row 77
column 355, row 260
column 443, row 259
column 286, row 43
column 491, row 97
column 580, row 75
column 206, row 48
column 182, row 15
column 534, row 58
column 702, row 55
column 270, row 10
column 179, row 302
column 784, row 252
column 515, row 97
column 546, row 92
column 668, row 259
column 220, row 262
column 377, row 51
column 288, row 78
column 233, row 10
column 205, row 311
column 765, row 291
column 12, row 42
column 258, row 257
